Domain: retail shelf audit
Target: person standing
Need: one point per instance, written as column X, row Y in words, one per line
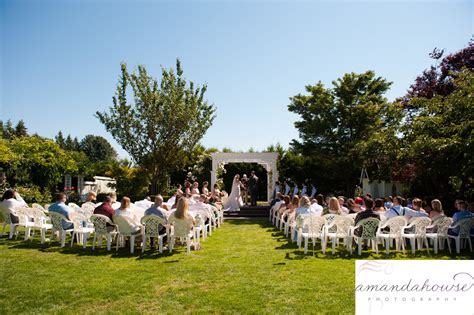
column 243, row 189
column 253, row 188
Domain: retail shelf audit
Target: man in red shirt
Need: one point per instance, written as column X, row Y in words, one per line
column 106, row 209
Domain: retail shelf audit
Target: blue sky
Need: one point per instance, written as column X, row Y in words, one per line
column 60, row 59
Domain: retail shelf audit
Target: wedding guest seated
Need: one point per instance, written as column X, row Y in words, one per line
column 388, row 202
column 125, row 211
column 60, row 207
column 195, row 189
column 181, row 217
column 179, row 190
column 463, row 213
column 379, row 208
column 285, row 204
column 435, row 214
column 351, row 205
column 315, row 207
column 358, row 205
column 158, row 210
column 295, row 203
column 397, row 209
column 187, row 189
column 304, row 207
column 216, row 193
column 417, row 205
column 106, row 209
column 205, row 189
column 10, row 201
column 342, row 201
column 320, row 199
column 91, row 198
column 367, row 213
column 113, row 200
column 278, row 200
column 333, row 207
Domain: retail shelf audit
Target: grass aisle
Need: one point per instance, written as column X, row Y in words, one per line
column 246, row 266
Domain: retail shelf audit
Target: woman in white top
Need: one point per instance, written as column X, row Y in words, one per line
column 180, row 219
column 11, row 200
column 125, row 211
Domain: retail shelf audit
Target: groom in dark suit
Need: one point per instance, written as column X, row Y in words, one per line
column 253, row 188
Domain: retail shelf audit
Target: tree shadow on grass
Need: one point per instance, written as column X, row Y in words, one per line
column 78, row 250
column 341, row 253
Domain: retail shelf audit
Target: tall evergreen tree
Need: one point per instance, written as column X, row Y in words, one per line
column 60, row 139
column 20, row 129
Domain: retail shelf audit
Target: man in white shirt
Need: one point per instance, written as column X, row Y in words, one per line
column 315, row 207
column 313, row 191
column 304, row 190
column 398, row 210
column 287, row 188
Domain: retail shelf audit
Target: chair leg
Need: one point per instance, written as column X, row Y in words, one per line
column 109, row 241
column 387, row 246
column 144, row 244
column 188, row 244
column 161, row 244
column 435, row 242
column 84, row 240
column 334, row 241
column 305, row 245
column 63, row 238
column 132, row 243
column 94, row 240
column 412, row 243
column 359, row 249
column 458, row 245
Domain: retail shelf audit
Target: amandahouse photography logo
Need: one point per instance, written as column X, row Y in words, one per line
column 434, row 286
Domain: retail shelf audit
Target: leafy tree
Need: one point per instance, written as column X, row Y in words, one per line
column 165, row 120
column 438, row 79
column 34, row 160
column 335, row 121
column 1, row 129
column 60, row 139
column 97, row 148
column 440, row 139
column 20, row 129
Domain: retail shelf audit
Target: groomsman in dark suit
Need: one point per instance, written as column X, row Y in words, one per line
column 253, row 188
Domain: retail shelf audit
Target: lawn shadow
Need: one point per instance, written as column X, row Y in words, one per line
column 341, row 252
column 78, row 250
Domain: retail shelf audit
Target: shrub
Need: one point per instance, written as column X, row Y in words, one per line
column 33, row 194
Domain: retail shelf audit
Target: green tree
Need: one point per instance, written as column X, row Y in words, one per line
column 8, row 131
column 1, row 129
column 37, row 161
column 20, row 129
column 97, row 148
column 60, row 139
column 68, row 143
column 440, row 139
column 165, row 120
column 335, row 121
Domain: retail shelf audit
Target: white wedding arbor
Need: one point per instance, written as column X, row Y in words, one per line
column 267, row 159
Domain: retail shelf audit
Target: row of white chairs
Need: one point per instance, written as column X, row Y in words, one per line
column 398, row 230
column 86, row 224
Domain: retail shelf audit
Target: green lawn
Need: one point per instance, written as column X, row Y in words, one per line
column 245, row 266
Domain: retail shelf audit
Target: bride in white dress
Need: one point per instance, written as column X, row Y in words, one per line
column 234, row 201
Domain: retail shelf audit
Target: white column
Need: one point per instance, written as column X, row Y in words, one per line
column 213, row 179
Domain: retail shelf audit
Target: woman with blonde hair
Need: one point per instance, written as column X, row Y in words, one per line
column 125, row 210
column 333, row 207
column 181, row 215
column 436, row 209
